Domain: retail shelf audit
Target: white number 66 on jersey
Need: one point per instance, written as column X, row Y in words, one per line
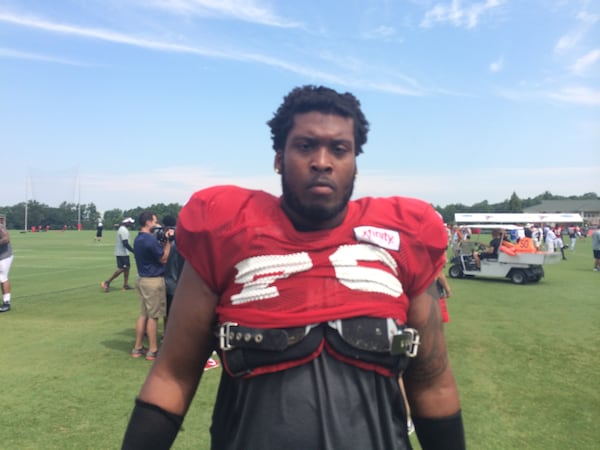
column 259, row 273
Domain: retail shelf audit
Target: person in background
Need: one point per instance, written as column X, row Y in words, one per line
column 492, row 251
column 538, row 236
column 558, row 242
column 122, row 249
column 150, row 258
column 549, row 239
column 317, row 301
column 172, row 273
column 457, row 239
column 6, row 259
column 99, row 229
column 596, row 249
column 173, row 265
column 445, row 292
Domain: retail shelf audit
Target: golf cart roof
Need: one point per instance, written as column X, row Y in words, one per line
column 496, row 218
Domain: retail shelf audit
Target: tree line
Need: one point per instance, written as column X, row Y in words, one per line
column 71, row 214
column 514, row 204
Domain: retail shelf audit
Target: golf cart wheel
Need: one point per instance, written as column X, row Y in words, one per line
column 518, row 277
column 455, row 271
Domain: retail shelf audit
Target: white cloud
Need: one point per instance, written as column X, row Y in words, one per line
column 382, row 32
column 568, row 41
column 154, row 44
column 582, row 64
column 571, row 39
column 16, row 54
column 458, row 15
column 588, row 18
column 497, row 66
column 104, row 35
column 579, row 95
column 244, row 10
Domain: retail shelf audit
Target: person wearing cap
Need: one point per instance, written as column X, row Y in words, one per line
column 122, row 249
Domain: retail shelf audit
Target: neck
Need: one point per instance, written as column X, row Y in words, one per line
column 301, row 223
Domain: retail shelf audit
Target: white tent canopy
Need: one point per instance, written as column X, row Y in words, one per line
column 517, row 218
column 494, row 226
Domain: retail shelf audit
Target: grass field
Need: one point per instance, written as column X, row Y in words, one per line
column 526, row 358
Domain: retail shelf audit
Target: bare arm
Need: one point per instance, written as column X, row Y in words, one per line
column 445, row 284
column 167, row 250
column 189, row 340
column 430, row 386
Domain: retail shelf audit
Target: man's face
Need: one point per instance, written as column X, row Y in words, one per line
column 318, row 166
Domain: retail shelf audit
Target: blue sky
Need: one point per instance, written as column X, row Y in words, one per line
column 126, row 103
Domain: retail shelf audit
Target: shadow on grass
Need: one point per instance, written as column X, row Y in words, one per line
column 120, row 344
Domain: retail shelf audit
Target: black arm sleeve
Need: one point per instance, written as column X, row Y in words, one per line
column 126, row 245
column 444, row 433
column 150, row 428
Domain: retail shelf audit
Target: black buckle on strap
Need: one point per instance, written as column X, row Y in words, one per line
column 406, row 343
column 223, row 335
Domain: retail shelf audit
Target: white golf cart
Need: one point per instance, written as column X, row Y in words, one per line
column 520, row 268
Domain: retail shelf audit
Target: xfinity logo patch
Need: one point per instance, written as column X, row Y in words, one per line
column 379, row 236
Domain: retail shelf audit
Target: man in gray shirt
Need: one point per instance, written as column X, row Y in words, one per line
column 122, row 249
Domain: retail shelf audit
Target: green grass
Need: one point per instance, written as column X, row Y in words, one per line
column 526, row 358
column 68, row 381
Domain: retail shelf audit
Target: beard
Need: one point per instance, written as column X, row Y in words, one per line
column 315, row 213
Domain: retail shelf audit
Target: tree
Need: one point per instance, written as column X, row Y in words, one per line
column 589, row 196
column 514, row 204
column 483, row 206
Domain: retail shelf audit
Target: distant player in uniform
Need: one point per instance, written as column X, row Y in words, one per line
column 316, row 302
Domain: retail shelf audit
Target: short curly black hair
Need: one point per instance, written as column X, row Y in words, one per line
column 322, row 99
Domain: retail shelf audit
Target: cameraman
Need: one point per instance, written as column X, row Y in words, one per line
column 151, row 251
column 174, row 264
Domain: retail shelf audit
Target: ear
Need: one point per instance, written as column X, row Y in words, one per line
column 277, row 161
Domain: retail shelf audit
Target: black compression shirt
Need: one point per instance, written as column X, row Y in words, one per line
column 325, row 404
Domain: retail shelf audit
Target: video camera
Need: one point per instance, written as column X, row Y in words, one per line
column 161, row 233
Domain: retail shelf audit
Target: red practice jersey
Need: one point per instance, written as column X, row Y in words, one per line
column 267, row 274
